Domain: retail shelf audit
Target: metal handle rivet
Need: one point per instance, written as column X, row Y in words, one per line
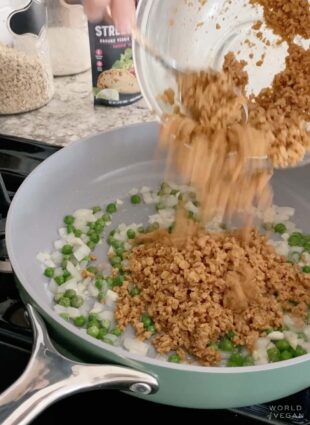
column 141, row 388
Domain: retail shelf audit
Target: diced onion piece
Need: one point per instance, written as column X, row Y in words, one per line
column 135, row 346
column 73, row 271
column 106, row 315
column 81, row 252
column 59, row 244
column 292, row 338
column 93, row 291
column 111, row 297
column 97, row 308
column 62, row 232
column 275, row 336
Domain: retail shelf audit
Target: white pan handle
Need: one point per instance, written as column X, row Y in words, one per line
column 49, row 377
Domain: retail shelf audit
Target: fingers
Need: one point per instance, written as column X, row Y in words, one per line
column 123, row 14
column 95, row 9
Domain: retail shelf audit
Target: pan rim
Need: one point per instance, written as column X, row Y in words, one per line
column 118, row 351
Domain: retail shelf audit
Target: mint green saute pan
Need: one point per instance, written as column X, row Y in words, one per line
column 98, row 170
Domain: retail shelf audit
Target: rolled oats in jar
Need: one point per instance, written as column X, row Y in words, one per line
column 26, row 80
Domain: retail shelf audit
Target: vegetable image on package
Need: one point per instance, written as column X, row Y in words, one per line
column 113, row 73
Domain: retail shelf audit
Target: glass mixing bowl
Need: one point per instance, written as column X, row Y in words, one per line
column 198, row 35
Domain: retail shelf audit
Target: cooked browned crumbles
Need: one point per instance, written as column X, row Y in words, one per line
column 210, row 143
column 282, row 110
column 289, row 94
column 235, row 69
column 212, row 284
column 287, row 18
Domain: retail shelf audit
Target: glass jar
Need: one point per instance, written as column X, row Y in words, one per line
column 68, row 37
column 26, row 80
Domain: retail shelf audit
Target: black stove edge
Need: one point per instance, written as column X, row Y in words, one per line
column 23, row 141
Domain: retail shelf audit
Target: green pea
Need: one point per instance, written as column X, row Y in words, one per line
column 100, row 222
column 49, row 272
column 118, row 280
column 91, row 245
column 174, row 358
column 282, row 345
column 299, row 351
column 91, row 225
column 106, row 217
column 131, row 234
column 230, row 334
column 64, row 301
column 92, row 269
column 135, row 199
column 93, row 331
column 94, row 237
column 67, row 249
column 70, row 228
column 306, row 246
column 117, row 332
column 117, row 244
column 119, row 251
column 286, row 355
column 106, row 324
column 111, row 208
column 99, row 283
column 92, row 316
column 99, row 229
column 235, row 360
column 66, row 275
column 77, row 301
column 115, row 261
column 69, row 219
column 59, row 280
column 110, row 240
column 96, row 209
column 306, row 269
column 296, row 239
column 273, row 354
column 248, row 361
column 280, row 228
column 225, row 345
column 77, row 233
column 93, row 322
column 151, row 329
column 134, row 291
column 110, row 282
column 141, row 229
column 102, row 333
column 146, row 320
column 70, row 293
column 80, row 321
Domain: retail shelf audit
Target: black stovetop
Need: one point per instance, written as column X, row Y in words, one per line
column 18, row 157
